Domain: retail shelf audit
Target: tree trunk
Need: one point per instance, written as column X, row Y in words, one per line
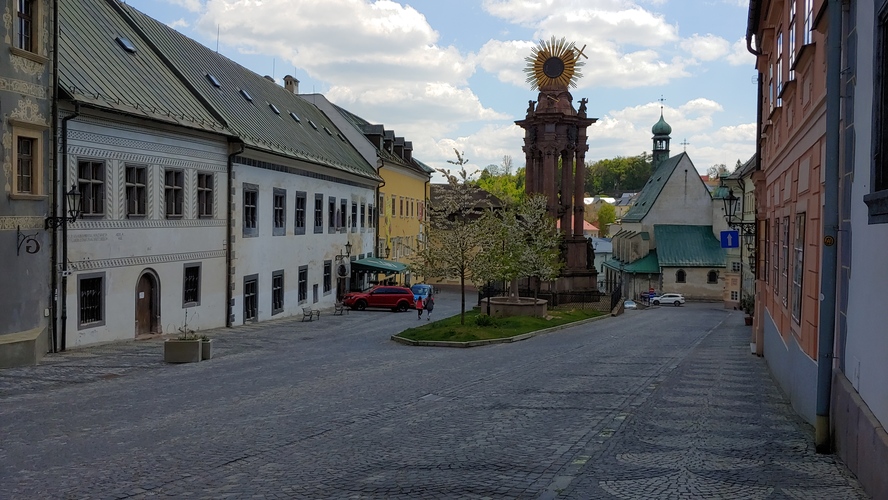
column 513, row 290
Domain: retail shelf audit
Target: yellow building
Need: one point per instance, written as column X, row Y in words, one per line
column 402, row 202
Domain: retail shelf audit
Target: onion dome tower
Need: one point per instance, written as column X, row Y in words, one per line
column 661, row 131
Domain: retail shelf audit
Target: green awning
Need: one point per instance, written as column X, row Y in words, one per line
column 378, row 265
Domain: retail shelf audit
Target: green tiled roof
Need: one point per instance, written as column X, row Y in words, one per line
column 651, row 190
column 96, row 70
column 688, row 246
column 254, row 108
column 649, row 264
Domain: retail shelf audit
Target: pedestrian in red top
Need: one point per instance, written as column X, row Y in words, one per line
column 419, row 308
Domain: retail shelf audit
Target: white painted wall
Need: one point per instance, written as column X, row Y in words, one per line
column 265, row 254
column 866, row 348
column 683, row 200
column 121, row 249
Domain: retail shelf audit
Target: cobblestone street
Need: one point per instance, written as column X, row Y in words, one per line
column 664, row 402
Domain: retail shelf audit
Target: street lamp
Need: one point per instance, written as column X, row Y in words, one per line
column 388, row 251
column 74, row 200
column 348, row 249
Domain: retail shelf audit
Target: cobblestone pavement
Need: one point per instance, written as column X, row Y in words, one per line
column 656, row 403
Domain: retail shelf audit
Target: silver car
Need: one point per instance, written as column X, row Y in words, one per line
column 675, row 299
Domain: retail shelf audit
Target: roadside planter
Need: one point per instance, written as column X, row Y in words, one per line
column 182, row 350
column 206, row 348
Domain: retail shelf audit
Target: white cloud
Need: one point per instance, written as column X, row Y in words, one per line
column 740, row 55
column 178, row 24
column 189, row 5
column 706, row 47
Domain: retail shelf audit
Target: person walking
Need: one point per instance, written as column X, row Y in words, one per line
column 418, row 308
column 429, row 305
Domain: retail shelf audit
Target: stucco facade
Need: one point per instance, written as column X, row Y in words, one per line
column 142, row 256
column 25, row 246
column 788, row 192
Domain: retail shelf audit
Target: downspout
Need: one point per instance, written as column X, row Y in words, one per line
column 64, row 177
column 229, row 233
column 827, row 319
column 379, row 210
column 54, row 259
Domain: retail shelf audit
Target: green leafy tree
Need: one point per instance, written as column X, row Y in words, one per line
column 452, row 235
column 499, row 181
column 616, row 175
column 607, row 214
column 520, row 240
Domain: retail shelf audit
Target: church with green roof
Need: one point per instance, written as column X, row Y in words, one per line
column 668, row 241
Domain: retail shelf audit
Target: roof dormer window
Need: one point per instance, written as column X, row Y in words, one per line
column 274, row 108
column 293, row 115
column 312, row 124
column 246, row 95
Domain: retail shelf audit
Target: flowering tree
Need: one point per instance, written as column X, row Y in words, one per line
column 452, row 234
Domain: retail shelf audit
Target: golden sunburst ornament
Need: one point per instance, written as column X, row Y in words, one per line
column 554, row 63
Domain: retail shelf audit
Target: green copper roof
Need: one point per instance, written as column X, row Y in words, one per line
column 649, row 264
column 264, row 115
column 651, row 190
column 688, row 246
column 104, row 63
column 661, row 127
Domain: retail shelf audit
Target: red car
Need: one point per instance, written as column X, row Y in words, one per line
column 396, row 298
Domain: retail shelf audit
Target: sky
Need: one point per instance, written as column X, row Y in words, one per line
column 449, row 74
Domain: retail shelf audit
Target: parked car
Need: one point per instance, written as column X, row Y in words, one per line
column 675, row 299
column 421, row 290
column 396, row 298
column 629, row 304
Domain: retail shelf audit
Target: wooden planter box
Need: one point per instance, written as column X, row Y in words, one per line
column 206, row 349
column 182, row 351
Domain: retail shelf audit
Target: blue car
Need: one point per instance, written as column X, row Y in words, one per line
column 422, row 291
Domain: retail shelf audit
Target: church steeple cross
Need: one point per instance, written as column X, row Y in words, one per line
column 685, row 144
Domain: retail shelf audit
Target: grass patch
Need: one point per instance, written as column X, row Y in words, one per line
column 479, row 326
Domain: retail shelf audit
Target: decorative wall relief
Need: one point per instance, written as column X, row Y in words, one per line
column 7, row 21
column 23, row 87
column 25, row 65
column 29, row 111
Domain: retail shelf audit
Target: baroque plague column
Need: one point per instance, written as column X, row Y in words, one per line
column 555, row 151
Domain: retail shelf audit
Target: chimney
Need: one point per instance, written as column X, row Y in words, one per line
column 291, row 84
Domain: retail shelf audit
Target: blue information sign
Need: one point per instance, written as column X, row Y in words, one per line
column 730, row 239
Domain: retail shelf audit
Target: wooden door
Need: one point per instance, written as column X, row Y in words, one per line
column 146, row 313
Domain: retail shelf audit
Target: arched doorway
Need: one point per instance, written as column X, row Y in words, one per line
column 147, row 304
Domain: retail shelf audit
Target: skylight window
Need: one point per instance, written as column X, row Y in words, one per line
column 312, row 124
column 213, row 81
column 328, row 131
column 274, row 108
column 126, row 44
column 295, row 117
column 246, row 95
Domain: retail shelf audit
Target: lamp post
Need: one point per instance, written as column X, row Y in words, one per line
column 746, row 230
column 74, row 200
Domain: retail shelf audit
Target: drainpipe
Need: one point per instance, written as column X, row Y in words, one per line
column 379, row 210
column 54, row 259
column 827, row 319
column 64, row 184
column 229, row 233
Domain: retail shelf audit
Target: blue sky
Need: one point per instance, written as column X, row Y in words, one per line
column 449, row 74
